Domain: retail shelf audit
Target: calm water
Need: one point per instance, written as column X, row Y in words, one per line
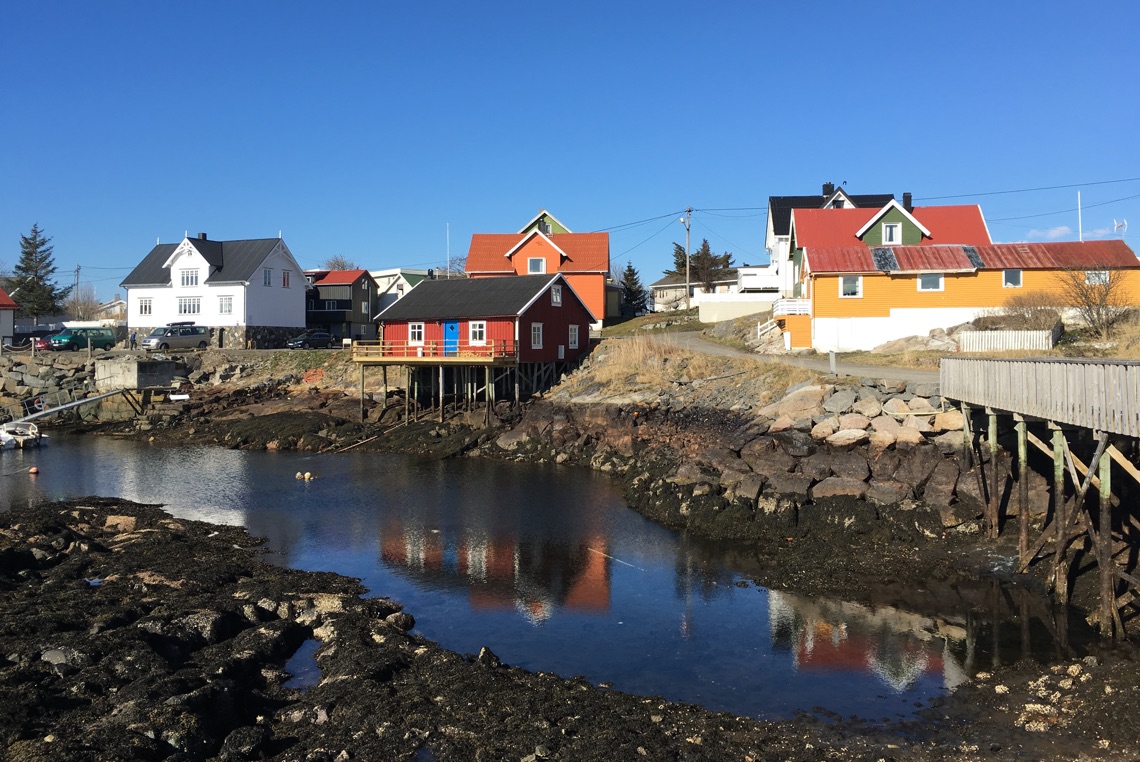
column 549, row 569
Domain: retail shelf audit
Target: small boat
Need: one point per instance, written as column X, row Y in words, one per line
column 20, row 434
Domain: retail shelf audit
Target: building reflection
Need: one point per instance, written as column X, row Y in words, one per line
column 502, row 570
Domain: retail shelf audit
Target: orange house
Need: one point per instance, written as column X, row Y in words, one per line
column 545, row 245
column 859, row 297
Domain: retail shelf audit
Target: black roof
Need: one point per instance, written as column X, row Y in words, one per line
column 231, row 261
column 780, row 207
column 468, row 298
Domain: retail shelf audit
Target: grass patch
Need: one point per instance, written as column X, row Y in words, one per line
column 646, row 360
column 656, row 322
column 915, row 359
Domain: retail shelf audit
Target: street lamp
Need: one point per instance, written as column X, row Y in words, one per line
column 687, row 221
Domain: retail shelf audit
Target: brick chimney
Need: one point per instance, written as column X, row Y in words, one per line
column 908, row 202
column 201, row 236
column 828, row 189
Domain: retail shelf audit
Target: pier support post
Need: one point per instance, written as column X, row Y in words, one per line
column 441, row 390
column 362, row 392
column 967, row 438
column 995, row 496
column 1104, row 551
column 1060, row 519
column 1022, row 491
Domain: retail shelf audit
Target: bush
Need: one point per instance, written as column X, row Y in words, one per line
column 1032, row 311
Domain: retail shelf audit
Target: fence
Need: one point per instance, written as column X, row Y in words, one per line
column 363, row 351
column 1001, row 341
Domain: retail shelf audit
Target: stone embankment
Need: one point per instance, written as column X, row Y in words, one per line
column 24, row 376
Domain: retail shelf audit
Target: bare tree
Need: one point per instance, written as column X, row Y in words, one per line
column 85, row 302
column 1098, row 296
column 456, row 267
column 1032, row 310
column 339, row 262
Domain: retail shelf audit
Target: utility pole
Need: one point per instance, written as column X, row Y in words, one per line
column 76, row 291
column 688, row 220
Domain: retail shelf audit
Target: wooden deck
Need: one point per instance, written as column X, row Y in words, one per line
column 436, row 353
column 1102, row 395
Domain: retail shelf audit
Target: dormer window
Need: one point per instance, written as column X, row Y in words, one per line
column 892, row 233
column 536, row 265
column 544, row 227
column 189, row 277
column 556, row 296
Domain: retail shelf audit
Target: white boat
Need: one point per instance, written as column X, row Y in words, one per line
column 20, row 434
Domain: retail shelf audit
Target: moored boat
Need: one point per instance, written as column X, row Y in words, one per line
column 20, row 434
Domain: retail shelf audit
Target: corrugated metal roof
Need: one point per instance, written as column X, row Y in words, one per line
column 338, row 277
column 468, row 298
column 1056, row 255
column 837, row 227
column 780, row 207
column 6, row 302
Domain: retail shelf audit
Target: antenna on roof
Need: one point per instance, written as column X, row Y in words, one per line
column 1122, row 226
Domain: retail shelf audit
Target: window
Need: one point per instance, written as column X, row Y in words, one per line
column 892, row 233
column 536, row 335
column 146, row 305
column 189, row 305
column 930, row 281
column 851, row 286
column 556, row 296
column 330, row 304
column 284, row 279
column 189, row 277
column 1096, row 277
column 536, row 265
column 364, row 307
column 415, row 333
column 1011, row 278
column 573, row 337
column 225, row 305
column 477, row 333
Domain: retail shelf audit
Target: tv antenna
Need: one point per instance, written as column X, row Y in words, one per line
column 1121, row 227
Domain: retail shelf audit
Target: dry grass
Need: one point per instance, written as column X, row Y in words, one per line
column 915, row 359
column 646, row 360
column 656, row 322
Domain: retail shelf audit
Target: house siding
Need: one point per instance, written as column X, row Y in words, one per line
column 911, row 235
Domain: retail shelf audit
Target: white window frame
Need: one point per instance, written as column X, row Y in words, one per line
column 530, row 266
column 267, row 277
column 858, row 287
column 226, row 305
column 1007, row 279
column 536, row 335
column 285, row 279
column 896, row 240
column 573, row 338
column 556, row 296
column 415, row 334
column 330, row 305
column 189, row 278
column 189, row 305
column 1096, row 277
column 477, row 333
column 941, row 281
column 146, row 306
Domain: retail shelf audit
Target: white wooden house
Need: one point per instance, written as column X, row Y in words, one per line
column 250, row 292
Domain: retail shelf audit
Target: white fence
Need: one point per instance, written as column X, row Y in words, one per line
column 1001, row 341
column 713, row 308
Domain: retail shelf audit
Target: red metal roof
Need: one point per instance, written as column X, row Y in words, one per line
column 837, row 227
column 339, row 277
column 6, row 302
column 1056, row 255
column 585, row 252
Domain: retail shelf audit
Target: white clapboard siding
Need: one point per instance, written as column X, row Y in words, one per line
column 1096, row 394
column 1003, row 341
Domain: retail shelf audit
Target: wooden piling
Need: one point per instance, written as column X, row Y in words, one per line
column 1104, row 551
column 1022, row 490
column 994, row 505
column 1060, row 520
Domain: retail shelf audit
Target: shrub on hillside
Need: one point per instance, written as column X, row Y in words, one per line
column 1031, row 311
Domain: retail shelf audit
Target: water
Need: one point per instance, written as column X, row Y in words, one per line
column 548, row 568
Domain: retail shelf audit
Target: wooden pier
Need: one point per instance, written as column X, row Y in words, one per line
column 1088, row 409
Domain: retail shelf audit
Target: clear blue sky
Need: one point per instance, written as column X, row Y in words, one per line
column 366, row 129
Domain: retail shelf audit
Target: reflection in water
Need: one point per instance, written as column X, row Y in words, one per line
column 547, row 567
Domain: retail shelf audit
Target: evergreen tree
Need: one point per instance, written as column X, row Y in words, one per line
column 678, row 260
column 706, row 268
column 33, row 277
column 633, row 295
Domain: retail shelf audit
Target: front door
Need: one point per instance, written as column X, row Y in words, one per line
column 451, row 338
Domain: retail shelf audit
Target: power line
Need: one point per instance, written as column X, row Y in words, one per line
column 647, row 240
column 1065, row 211
column 1031, row 190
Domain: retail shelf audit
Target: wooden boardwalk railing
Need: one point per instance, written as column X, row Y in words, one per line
column 1103, row 395
column 435, row 352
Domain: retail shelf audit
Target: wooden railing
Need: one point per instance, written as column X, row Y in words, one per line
column 457, row 350
column 1097, row 394
column 785, row 306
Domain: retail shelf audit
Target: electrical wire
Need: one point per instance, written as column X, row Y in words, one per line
column 1031, row 190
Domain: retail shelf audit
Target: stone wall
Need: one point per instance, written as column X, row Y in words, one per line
column 53, row 375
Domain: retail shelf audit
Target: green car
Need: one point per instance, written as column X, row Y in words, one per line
column 76, row 339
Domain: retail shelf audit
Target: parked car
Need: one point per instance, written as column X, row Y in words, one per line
column 312, row 340
column 43, row 343
column 183, row 335
column 77, row 338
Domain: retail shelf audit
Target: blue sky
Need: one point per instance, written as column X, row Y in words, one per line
column 371, row 130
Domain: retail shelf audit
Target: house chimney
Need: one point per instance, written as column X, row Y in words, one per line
column 828, row 189
column 908, row 202
column 201, row 236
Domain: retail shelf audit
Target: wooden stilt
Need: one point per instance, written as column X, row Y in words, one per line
column 362, row 392
column 1060, row 522
column 384, row 399
column 1022, row 491
column 1104, row 551
column 995, row 493
column 441, row 390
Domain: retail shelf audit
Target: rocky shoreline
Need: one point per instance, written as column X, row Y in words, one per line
column 726, row 459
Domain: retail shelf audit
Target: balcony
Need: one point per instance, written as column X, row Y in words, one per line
column 784, row 307
column 444, row 352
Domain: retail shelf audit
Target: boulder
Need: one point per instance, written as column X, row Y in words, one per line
column 896, row 406
column 949, row 443
column 797, row 485
column 839, row 486
column 512, row 439
column 748, row 487
column 951, row 420
column 920, row 405
column 929, row 389
column 818, row 466
column 845, row 439
column 854, row 421
column 850, row 464
column 868, row 406
column 756, row 448
column 887, row 491
column 917, row 466
column 722, row 459
column 688, row 473
column 824, row 429
column 782, row 423
column 770, row 463
column 891, row 386
column 881, row 440
column 918, row 423
column 840, row 402
column 803, row 403
column 908, row 437
column 885, row 423
column 798, row 444
column 939, row 489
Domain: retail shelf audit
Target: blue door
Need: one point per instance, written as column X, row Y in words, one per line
column 451, row 338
